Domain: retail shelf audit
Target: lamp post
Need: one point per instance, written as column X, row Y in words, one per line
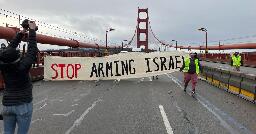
column 219, row 46
column 109, row 30
column 164, row 46
column 176, row 44
column 123, row 44
column 206, row 40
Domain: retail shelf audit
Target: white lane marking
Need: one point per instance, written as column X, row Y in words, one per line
column 178, row 108
column 41, row 107
column 174, row 81
column 224, row 119
column 32, row 122
column 74, row 105
column 40, row 101
column 80, row 97
column 58, row 99
column 84, row 94
column 117, row 80
column 66, row 114
column 166, row 121
column 80, row 119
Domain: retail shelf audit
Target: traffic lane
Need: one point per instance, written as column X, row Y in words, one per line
column 240, row 110
column 41, row 89
column 65, row 104
column 133, row 107
column 195, row 118
column 247, row 70
column 125, row 109
column 61, row 123
column 57, row 105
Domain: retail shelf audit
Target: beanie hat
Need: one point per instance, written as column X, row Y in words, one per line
column 9, row 55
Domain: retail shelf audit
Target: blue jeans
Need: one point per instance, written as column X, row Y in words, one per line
column 20, row 114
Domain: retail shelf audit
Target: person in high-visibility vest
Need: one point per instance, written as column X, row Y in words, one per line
column 236, row 61
column 191, row 68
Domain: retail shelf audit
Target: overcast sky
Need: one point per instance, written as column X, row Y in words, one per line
column 170, row 19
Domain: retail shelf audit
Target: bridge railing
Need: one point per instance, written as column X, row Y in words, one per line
column 248, row 58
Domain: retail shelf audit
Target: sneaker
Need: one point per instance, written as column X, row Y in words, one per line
column 193, row 92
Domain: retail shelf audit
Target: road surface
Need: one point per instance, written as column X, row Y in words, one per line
column 138, row 106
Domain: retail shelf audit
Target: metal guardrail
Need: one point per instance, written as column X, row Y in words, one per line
column 240, row 84
column 248, row 58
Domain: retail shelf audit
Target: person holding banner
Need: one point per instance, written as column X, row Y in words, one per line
column 17, row 96
column 191, row 68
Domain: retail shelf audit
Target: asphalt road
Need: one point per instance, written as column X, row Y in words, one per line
column 138, row 106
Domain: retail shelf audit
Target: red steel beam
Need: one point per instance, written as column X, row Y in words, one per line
column 8, row 33
column 223, row 47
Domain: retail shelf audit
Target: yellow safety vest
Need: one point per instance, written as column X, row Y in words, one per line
column 187, row 62
column 236, row 60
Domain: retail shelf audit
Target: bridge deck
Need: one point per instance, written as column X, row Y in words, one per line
column 132, row 107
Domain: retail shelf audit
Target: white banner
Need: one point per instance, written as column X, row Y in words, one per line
column 118, row 66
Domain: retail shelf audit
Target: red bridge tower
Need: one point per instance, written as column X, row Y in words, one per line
column 142, row 28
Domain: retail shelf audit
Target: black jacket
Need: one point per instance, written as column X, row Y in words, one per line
column 18, row 86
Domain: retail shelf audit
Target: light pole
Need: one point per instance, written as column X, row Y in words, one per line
column 176, row 44
column 123, row 44
column 220, row 46
column 110, row 29
column 165, row 47
column 206, row 40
